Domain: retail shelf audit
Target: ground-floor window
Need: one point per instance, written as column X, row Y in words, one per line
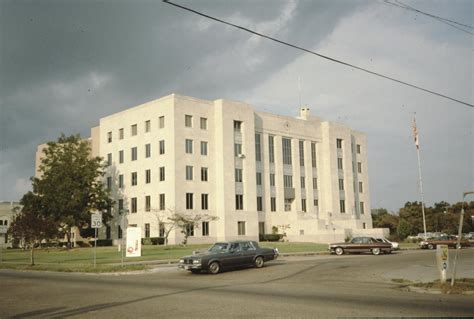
column 205, row 228
column 261, row 228
column 147, row 230
column 241, row 228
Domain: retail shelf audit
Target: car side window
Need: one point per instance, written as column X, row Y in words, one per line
column 246, row 246
column 235, row 247
column 357, row 240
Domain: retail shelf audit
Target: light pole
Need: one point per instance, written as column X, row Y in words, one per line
column 458, row 243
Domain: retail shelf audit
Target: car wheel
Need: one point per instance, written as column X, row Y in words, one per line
column 376, row 251
column 214, row 268
column 430, row 246
column 339, row 251
column 259, row 262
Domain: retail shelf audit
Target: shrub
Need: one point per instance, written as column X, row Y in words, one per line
column 270, row 237
column 146, row 241
column 158, row 240
column 101, row 242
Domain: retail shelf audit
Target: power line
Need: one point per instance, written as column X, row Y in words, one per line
column 449, row 22
column 317, row 54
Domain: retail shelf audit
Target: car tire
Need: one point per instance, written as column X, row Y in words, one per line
column 375, row 251
column 214, row 268
column 430, row 246
column 259, row 262
column 339, row 251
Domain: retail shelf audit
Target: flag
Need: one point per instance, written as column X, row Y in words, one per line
column 415, row 134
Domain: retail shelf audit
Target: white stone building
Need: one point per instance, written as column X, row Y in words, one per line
column 252, row 170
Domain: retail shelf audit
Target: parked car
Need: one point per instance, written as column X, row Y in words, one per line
column 225, row 255
column 451, row 241
column 394, row 244
column 361, row 245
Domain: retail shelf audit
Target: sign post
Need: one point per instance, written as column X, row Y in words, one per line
column 3, row 231
column 96, row 222
column 442, row 260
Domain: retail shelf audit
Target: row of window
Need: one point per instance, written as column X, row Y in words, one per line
column 287, row 179
column 189, row 229
column 341, row 186
column 339, row 145
column 342, row 206
column 188, row 122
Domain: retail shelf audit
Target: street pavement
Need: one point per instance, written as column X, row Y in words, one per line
column 291, row 287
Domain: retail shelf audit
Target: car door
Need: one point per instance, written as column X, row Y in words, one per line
column 248, row 253
column 233, row 257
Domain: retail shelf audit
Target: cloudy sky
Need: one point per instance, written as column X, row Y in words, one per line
column 65, row 64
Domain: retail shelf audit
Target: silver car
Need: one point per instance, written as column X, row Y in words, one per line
column 394, row 244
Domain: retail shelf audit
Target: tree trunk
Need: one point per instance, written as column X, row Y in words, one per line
column 32, row 255
column 68, row 236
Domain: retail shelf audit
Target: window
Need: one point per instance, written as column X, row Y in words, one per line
column 147, row 230
column 109, row 159
column 341, row 184
column 316, row 202
column 188, row 120
column 261, row 228
column 286, row 142
column 237, row 126
column 203, row 148
column 361, row 190
column 271, row 148
column 315, row 183
column 162, row 174
column 119, row 231
column 189, row 201
column 161, row 122
column 239, row 202
column 134, row 129
column 358, row 148
column 259, row 178
column 241, row 228
column 147, row 126
column 238, row 175
column 109, row 137
column 134, row 205
column 288, row 181
column 162, row 147
column 301, row 145
column 361, row 204
column 204, row 174
column 302, row 182
column 313, row 154
column 134, row 153
column 339, row 143
column 259, row 203
column 120, row 206
column 204, row 201
column 359, row 167
column 121, row 156
column 364, row 225
column 205, row 228
column 203, row 123
column 237, row 149
column 109, row 183
column 161, row 226
column 189, row 146
column 273, row 204
column 258, row 148
column 342, row 206
column 147, row 203
column 148, row 176
column 120, row 185
column 303, row 205
column 121, row 134
column 147, row 150
column 162, row 202
column 272, row 179
column 189, row 173
column 288, row 205
column 134, row 179
column 190, row 230
column 301, row 232
column 339, row 163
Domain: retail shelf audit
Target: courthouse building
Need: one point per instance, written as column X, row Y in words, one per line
column 253, row 170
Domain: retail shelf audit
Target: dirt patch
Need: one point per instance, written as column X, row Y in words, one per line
column 461, row 286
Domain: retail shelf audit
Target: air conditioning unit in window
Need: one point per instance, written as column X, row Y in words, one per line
column 241, row 156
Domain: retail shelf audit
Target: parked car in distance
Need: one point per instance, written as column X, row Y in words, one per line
column 395, row 245
column 361, row 245
column 225, row 255
column 451, row 241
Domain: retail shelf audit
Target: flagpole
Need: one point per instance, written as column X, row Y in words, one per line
column 420, row 182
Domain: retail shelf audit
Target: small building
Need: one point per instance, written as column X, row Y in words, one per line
column 7, row 213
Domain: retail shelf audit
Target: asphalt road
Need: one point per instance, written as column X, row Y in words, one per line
column 296, row 287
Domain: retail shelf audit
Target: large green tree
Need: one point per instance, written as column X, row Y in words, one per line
column 381, row 218
column 70, row 185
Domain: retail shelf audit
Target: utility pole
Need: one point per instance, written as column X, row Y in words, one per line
column 420, row 180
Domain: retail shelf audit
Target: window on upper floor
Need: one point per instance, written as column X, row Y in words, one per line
column 341, row 184
column 259, row 178
column 203, row 123
column 259, row 203
column 238, row 175
column 339, row 163
column 121, row 156
column 134, row 153
column 148, row 176
column 315, row 183
column 147, row 126
column 147, row 203
column 162, row 202
column 109, row 137
column 301, row 147
column 258, row 148
column 241, row 228
column 188, row 120
column 162, row 173
column 162, row 147
column 358, row 148
column 203, row 148
column 339, row 143
column 271, row 148
column 237, row 126
column 288, row 181
column 273, row 204
column 133, row 204
column 302, row 182
column 342, row 206
column 121, row 134
column 189, row 201
column 313, row 154
column 204, row 174
column 109, row 159
column 161, row 122
column 147, row 150
column 359, row 167
column 272, row 179
column 189, row 173
column 286, row 148
column 134, row 178
column 361, row 189
column 204, row 201
column 303, row 204
column 189, row 146
column 239, row 202
column 134, row 129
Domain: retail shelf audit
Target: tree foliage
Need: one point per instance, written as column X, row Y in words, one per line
column 70, row 185
column 184, row 221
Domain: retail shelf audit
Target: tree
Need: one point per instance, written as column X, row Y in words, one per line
column 70, row 185
column 163, row 222
column 404, row 229
column 185, row 221
column 383, row 219
column 31, row 228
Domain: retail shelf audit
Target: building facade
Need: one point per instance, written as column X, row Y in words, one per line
column 254, row 172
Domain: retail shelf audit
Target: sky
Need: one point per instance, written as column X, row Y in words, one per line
column 65, row 64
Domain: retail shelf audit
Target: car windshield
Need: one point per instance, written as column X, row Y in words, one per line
column 219, row 247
